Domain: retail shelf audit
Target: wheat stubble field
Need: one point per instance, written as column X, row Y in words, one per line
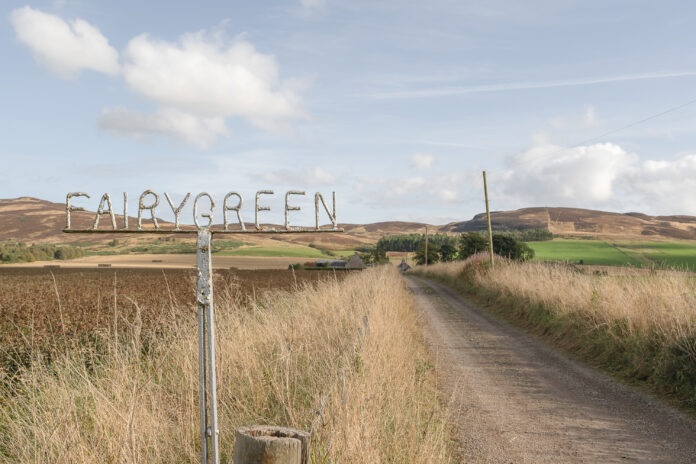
column 102, row 382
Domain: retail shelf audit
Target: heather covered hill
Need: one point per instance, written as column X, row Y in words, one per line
column 29, row 219
column 583, row 222
column 32, row 220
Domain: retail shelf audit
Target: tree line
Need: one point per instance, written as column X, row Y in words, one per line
column 410, row 242
column 471, row 243
column 19, row 252
column 443, row 247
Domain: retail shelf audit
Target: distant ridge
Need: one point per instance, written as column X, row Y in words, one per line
column 578, row 221
column 30, row 219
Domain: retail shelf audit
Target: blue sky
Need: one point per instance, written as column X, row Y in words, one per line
column 397, row 106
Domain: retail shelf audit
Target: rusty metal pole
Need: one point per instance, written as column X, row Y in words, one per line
column 488, row 220
column 206, row 349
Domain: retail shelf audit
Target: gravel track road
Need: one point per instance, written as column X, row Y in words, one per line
column 515, row 400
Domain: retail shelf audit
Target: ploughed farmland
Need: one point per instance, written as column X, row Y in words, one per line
column 47, row 308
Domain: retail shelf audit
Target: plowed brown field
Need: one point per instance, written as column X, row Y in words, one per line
column 46, row 308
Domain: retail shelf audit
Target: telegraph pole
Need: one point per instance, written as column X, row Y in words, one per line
column 426, row 245
column 488, row 219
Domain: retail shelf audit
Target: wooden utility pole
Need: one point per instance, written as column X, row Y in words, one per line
column 488, row 219
column 426, row 245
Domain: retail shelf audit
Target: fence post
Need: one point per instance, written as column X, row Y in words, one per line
column 263, row 444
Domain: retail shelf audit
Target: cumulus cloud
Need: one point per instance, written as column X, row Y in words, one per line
column 201, row 80
column 310, row 176
column 196, row 82
column 196, row 130
column 203, row 75
column 548, row 174
column 66, row 48
column 602, row 175
column 422, row 160
column 666, row 186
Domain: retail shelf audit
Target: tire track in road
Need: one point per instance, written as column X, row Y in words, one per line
column 515, row 400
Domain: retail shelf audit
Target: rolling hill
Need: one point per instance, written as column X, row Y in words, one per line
column 32, row 220
column 584, row 222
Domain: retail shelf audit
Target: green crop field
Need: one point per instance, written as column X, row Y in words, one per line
column 681, row 255
column 587, row 251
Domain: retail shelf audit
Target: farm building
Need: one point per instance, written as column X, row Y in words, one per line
column 355, row 262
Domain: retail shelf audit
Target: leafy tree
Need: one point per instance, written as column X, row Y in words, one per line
column 448, row 253
column 504, row 244
column 433, row 253
column 471, row 243
column 508, row 247
column 379, row 255
column 410, row 242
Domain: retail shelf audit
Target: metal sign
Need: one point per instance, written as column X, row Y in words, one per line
column 205, row 229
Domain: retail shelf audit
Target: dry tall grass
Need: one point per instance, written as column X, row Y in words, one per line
column 135, row 400
column 641, row 325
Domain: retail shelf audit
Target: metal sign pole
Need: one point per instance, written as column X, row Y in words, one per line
column 204, row 288
column 206, row 349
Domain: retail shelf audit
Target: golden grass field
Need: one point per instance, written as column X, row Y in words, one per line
column 133, row 398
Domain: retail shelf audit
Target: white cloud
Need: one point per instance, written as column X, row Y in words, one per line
column 205, row 76
column 602, row 175
column 409, row 191
column 197, row 82
column 547, row 174
column 422, row 160
column 310, row 176
column 65, row 48
column 590, row 118
column 196, row 130
column 664, row 187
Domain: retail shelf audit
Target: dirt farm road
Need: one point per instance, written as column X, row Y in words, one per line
column 514, row 400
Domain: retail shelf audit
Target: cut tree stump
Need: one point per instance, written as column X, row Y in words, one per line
column 265, row 444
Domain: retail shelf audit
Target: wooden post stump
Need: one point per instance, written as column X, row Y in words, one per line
column 261, row 444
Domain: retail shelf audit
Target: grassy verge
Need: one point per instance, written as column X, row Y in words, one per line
column 134, row 399
column 640, row 328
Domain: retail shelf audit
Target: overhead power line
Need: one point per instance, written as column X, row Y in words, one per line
column 641, row 121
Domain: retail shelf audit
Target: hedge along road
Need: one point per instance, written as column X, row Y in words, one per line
column 514, row 400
